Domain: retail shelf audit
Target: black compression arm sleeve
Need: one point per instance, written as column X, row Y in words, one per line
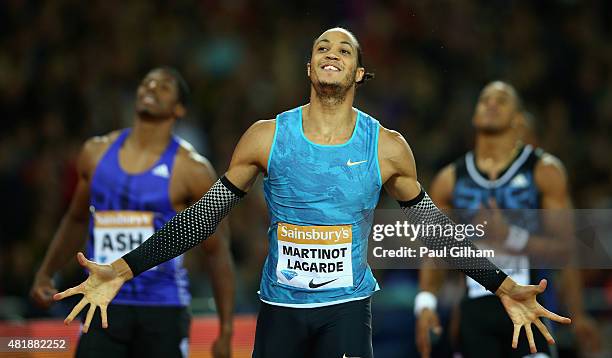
column 421, row 210
column 187, row 229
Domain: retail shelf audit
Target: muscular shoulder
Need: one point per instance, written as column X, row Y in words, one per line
column 446, row 176
column 394, row 155
column 255, row 145
column 442, row 186
column 192, row 174
column 92, row 151
column 550, row 173
column 393, row 146
column 191, row 163
column 262, row 130
column 394, row 149
column 549, row 163
column 96, row 145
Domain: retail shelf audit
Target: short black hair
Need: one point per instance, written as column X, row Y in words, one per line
column 183, row 88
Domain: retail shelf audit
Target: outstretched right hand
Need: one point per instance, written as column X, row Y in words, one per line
column 98, row 290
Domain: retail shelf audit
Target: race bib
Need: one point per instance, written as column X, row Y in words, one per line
column 314, row 257
column 118, row 232
column 514, row 266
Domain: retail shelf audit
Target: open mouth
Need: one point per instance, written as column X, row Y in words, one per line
column 330, row 68
column 149, row 99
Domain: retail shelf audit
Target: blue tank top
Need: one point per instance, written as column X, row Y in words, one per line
column 515, row 188
column 125, row 210
column 321, row 201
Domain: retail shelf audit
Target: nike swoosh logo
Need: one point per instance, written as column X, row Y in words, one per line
column 345, row 356
column 311, row 284
column 350, row 164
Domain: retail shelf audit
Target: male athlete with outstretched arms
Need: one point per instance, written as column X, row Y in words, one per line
column 324, row 166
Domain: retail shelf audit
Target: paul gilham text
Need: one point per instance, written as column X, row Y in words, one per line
column 426, row 252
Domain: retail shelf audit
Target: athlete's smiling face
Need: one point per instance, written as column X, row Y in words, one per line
column 333, row 61
column 497, row 109
column 158, row 96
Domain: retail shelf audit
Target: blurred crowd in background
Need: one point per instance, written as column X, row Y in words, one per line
column 69, row 70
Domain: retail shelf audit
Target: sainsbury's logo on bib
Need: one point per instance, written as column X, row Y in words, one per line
column 315, row 257
column 123, row 218
column 316, row 235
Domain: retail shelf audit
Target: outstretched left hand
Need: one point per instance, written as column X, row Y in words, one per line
column 523, row 309
column 98, row 290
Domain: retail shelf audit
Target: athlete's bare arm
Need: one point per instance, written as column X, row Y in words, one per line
column 431, row 278
column 441, row 193
column 397, row 166
column 442, row 186
column 72, row 231
column 251, row 154
column 552, row 183
column 197, row 175
column 398, row 171
column 551, row 180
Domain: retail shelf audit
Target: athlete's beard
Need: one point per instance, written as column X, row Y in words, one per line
column 498, row 126
column 490, row 131
column 147, row 115
column 493, row 130
column 333, row 93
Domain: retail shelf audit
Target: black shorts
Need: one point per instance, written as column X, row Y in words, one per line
column 334, row 331
column 137, row 331
column 486, row 331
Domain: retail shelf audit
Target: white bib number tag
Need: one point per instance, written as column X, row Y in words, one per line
column 118, row 232
column 315, row 257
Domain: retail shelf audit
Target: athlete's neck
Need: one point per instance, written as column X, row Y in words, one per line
column 151, row 135
column 495, row 146
column 331, row 123
column 495, row 151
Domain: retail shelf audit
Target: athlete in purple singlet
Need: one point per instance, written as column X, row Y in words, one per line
column 131, row 182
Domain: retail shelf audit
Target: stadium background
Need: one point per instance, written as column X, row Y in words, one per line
column 69, row 70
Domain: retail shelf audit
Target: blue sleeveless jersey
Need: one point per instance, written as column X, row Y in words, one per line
column 125, row 210
column 321, row 200
column 514, row 189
